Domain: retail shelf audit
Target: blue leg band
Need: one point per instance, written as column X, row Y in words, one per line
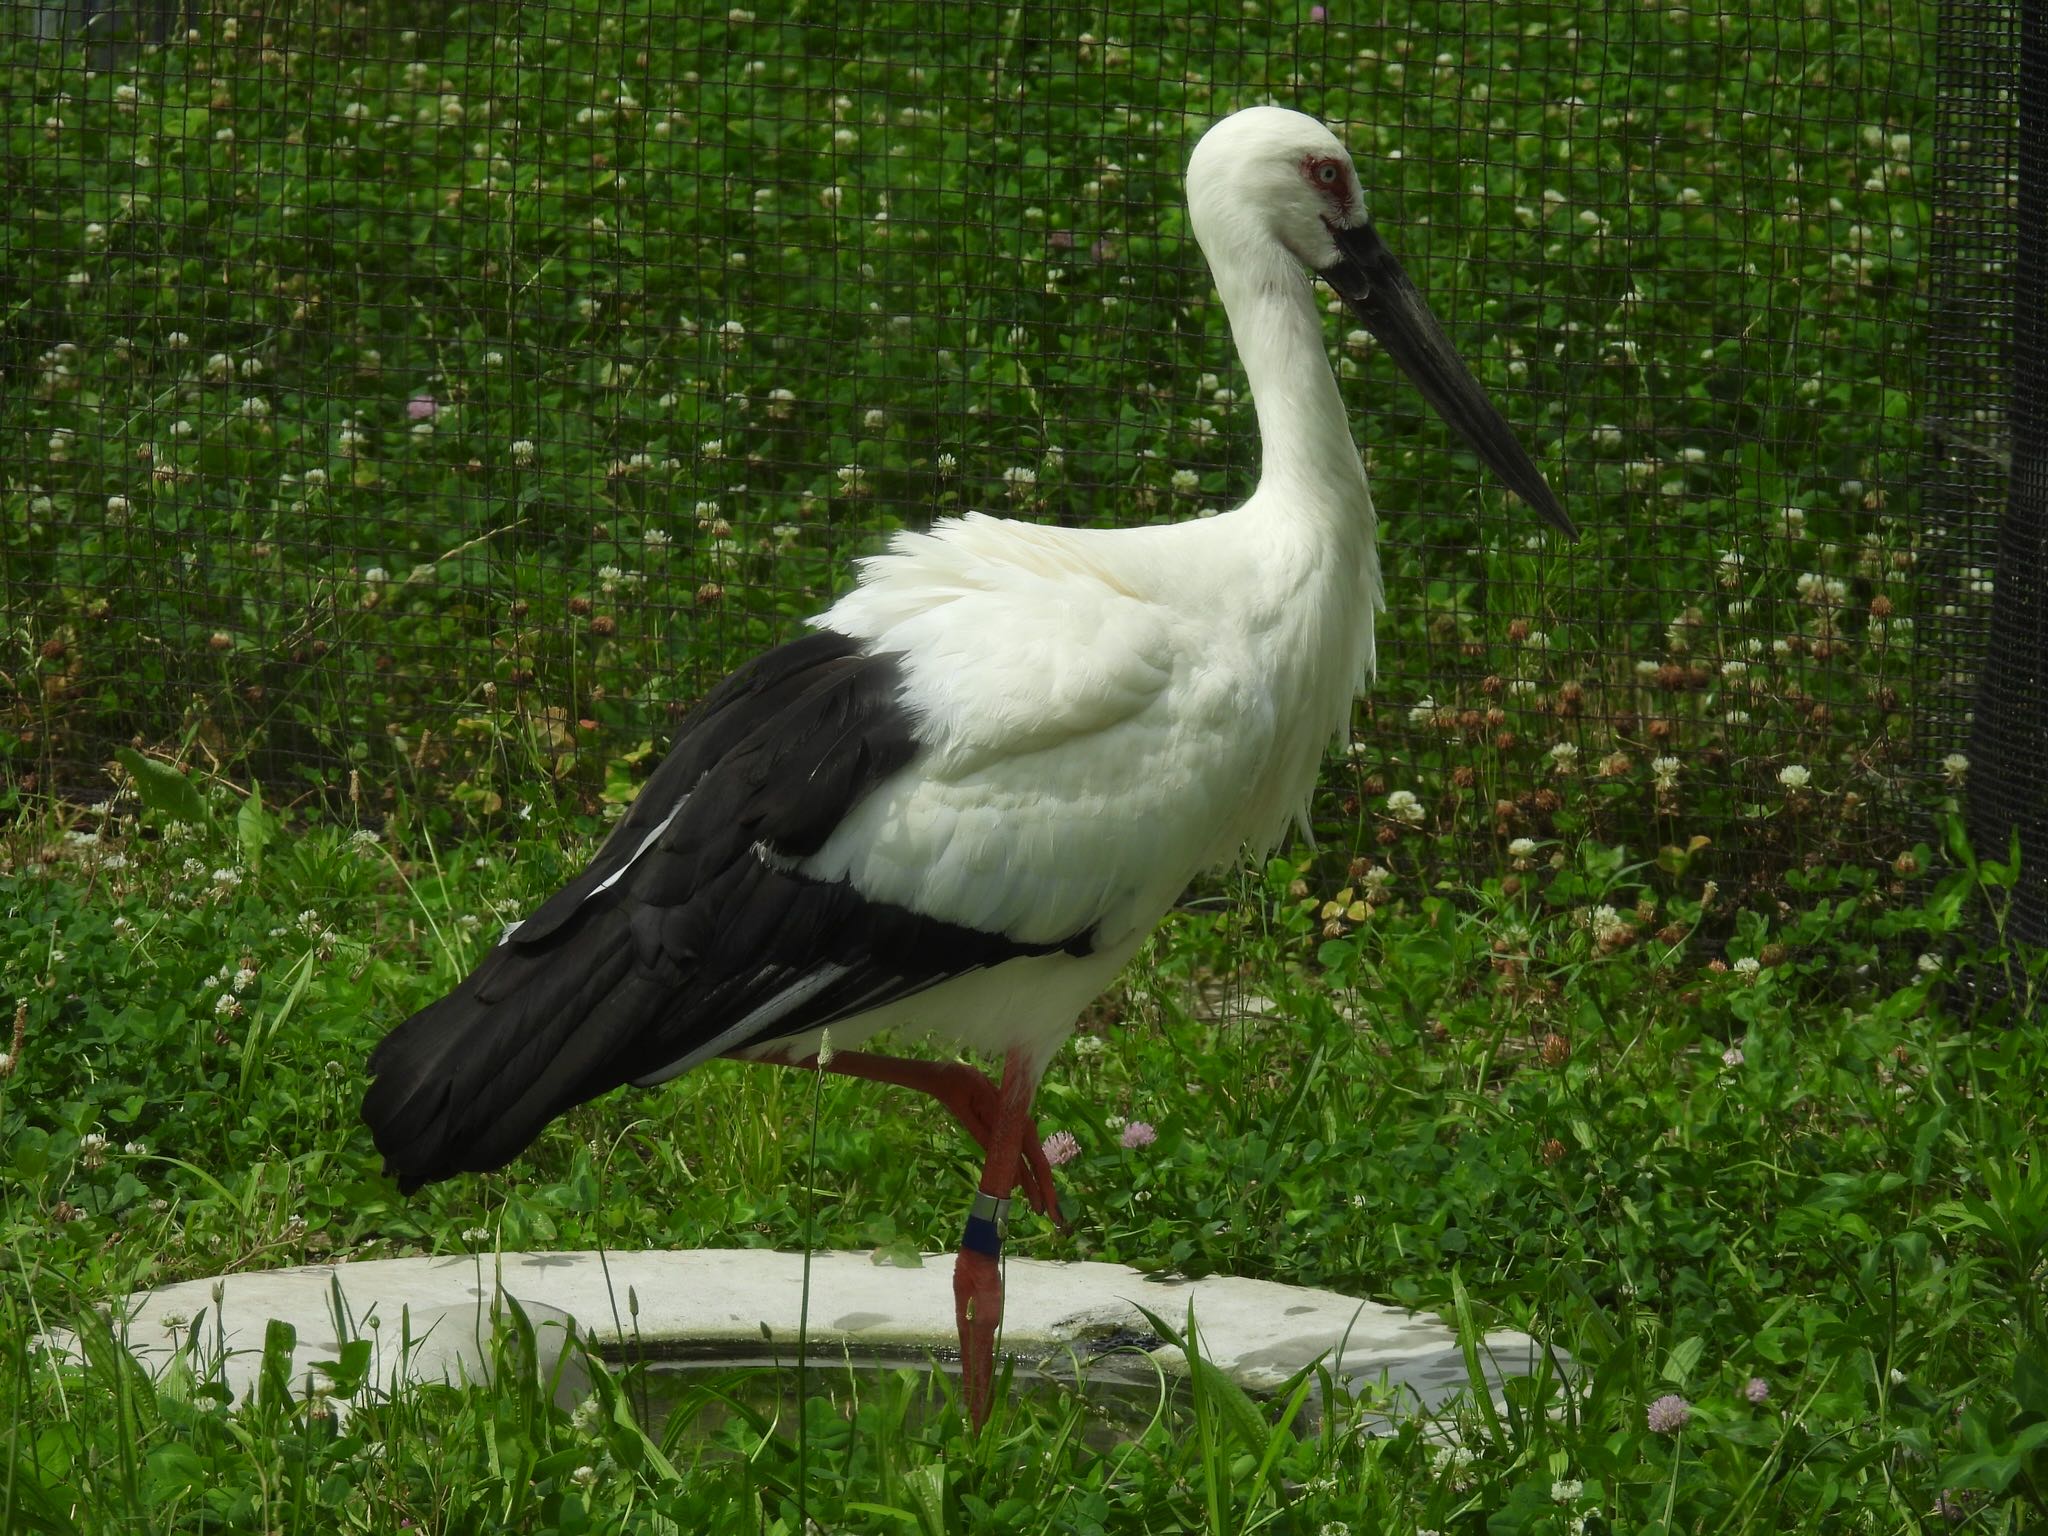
column 987, row 1219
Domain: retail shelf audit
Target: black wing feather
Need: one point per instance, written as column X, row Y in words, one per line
column 660, row 950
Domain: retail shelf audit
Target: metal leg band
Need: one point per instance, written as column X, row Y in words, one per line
column 987, row 1220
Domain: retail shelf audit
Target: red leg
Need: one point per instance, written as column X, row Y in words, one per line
column 971, row 1099
column 977, row 1272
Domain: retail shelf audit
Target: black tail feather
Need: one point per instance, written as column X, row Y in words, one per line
column 465, row 1084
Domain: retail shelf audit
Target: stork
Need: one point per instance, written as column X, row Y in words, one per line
column 958, row 805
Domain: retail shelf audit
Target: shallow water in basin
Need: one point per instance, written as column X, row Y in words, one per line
column 1114, row 1395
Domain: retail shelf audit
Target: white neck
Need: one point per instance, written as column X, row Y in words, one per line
column 1307, row 457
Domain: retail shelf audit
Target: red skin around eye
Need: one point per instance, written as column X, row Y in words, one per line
column 1338, row 191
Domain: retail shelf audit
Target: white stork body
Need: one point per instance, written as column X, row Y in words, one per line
column 958, row 808
column 1103, row 709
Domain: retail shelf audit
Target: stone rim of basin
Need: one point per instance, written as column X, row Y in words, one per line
column 429, row 1318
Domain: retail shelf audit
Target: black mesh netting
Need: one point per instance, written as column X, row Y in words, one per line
column 2006, row 213
column 432, row 407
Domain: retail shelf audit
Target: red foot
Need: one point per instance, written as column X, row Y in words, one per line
column 973, row 1100
column 978, row 1308
column 970, row 1098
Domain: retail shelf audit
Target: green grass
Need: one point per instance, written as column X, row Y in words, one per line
column 1522, row 1112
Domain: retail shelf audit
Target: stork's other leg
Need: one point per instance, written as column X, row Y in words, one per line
column 970, row 1098
column 977, row 1272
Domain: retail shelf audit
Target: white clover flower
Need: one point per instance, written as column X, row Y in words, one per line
column 228, row 1006
column 852, row 479
column 732, row 335
column 1566, row 1490
column 363, row 837
column 1018, row 477
column 1747, row 966
column 1794, row 776
column 227, row 879
column 1522, row 848
column 1928, row 965
column 1564, row 757
column 657, row 538
column 1665, row 771
column 92, row 1149
column 1606, row 435
column 947, row 464
column 243, row 979
column 1733, row 668
column 1451, row 1459
column 1403, row 806
column 524, row 453
column 1955, row 767
column 1424, row 712
column 1609, row 926
column 1537, row 640
column 1186, row 482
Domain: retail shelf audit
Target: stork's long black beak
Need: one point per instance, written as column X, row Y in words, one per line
column 1366, row 276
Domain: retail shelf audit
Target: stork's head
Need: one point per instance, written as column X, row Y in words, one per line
column 1267, row 176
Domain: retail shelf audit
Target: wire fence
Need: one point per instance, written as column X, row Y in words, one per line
column 398, row 408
